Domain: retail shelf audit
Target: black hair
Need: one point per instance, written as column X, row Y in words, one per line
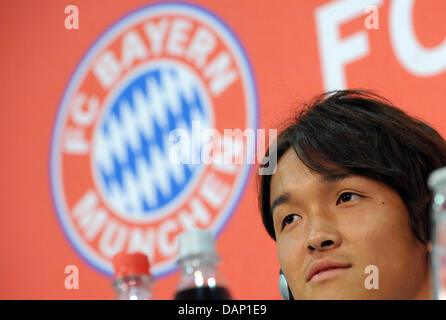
column 360, row 132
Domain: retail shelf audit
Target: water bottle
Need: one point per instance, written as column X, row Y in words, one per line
column 437, row 184
column 197, row 260
column 132, row 277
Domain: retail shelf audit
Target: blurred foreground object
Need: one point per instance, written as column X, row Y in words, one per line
column 197, row 259
column 437, row 183
column 132, row 277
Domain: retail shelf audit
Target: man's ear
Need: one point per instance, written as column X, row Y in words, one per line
column 428, row 252
column 429, row 246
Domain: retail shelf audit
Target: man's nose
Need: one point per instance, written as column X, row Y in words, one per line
column 323, row 236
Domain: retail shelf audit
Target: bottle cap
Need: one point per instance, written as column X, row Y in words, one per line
column 437, row 178
column 196, row 242
column 126, row 264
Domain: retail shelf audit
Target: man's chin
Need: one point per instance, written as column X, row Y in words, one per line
column 338, row 293
column 336, row 289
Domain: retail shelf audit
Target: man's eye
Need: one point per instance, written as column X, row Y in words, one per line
column 290, row 219
column 347, row 196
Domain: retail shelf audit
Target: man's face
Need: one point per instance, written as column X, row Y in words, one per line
column 345, row 225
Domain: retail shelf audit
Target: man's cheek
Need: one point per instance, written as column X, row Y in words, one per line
column 290, row 256
column 284, row 253
column 367, row 229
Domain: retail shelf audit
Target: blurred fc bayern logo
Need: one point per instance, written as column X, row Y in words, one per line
column 160, row 68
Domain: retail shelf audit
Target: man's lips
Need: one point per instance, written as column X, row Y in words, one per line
column 325, row 267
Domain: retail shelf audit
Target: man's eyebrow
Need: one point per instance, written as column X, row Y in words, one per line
column 283, row 198
column 335, row 177
column 327, row 178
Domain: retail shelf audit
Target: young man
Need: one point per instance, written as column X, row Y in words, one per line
column 348, row 201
